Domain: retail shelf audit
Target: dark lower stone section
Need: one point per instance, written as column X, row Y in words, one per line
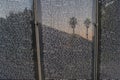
column 66, row 56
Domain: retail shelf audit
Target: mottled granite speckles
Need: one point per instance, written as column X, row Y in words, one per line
column 16, row 50
column 110, row 40
column 66, row 56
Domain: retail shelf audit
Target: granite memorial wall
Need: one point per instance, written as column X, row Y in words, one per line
column 17, row 60
column 67, row 40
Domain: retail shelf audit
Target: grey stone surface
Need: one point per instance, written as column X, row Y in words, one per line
column 110, row 40
column 66, row 56
column 16, row 50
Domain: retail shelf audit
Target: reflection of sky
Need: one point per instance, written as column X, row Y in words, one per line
column 55, row 13
column 7, row 6
column 58, row 12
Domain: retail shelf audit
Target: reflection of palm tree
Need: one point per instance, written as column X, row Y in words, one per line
column 73, row 22
column 87, row 23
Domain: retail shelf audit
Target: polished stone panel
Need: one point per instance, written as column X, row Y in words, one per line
column 110, row 40
column 16, row 43
column 67, row 39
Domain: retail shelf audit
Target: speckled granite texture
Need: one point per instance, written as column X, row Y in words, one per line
column 110, row 40
column 16, row 50
column 66, row 56
column 67, row 53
